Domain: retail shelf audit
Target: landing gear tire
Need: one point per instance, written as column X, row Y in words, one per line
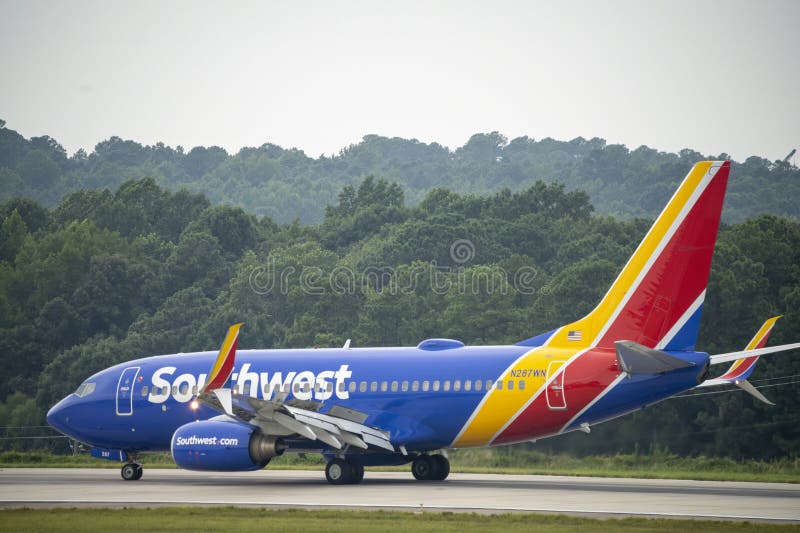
column 358, row 473
column 443, row 465
column 131, row 472
column 430, row 467
column 424, row 468
column 339, row 472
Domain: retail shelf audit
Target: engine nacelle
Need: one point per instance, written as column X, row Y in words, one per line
column 223, row 446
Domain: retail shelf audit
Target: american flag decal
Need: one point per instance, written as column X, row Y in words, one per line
column 574, row 335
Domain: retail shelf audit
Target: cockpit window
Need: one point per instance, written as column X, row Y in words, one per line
column 85, row 389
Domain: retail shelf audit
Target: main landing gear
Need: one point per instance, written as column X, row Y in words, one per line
column 341, row 472
column 131, row 472
column 425, row 468
column 430, row 467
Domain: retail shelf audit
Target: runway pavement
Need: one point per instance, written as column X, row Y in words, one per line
column 604, row 497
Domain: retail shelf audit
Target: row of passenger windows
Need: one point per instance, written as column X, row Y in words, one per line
column 371, row 386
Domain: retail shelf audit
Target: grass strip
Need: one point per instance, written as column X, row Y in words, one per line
column 502, row 461
column 191, row 519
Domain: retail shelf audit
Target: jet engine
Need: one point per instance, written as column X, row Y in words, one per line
column 223, row 446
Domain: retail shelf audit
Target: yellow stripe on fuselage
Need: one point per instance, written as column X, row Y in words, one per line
column 500, row 406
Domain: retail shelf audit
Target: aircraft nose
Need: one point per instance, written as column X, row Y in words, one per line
column 58, row 417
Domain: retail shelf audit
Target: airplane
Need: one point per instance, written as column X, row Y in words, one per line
column 362, row 407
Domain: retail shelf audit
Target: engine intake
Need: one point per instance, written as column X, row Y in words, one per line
column 223, row 446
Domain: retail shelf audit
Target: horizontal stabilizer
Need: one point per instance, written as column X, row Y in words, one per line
column 637, row 359
column 733, row 356
column 752, row 391
column 742, row 384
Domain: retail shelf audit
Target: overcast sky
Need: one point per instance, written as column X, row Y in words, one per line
column 715, row 76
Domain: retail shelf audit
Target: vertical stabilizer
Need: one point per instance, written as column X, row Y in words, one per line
column 657, row 298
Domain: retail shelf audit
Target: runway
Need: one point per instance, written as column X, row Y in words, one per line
column 487, row 493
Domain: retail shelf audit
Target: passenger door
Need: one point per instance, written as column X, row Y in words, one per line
column 125, row 391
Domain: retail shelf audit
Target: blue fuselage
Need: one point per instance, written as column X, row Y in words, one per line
column 423, row 398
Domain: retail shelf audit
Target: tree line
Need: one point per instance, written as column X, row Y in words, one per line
column 286, row 184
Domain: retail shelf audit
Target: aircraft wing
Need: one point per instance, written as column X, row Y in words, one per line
column 280, row 417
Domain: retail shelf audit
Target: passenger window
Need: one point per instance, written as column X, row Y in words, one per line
column 436, row 386
column 489, row 384
column 362, row 386
column 194, row 390
column 329, row 387
column 510, row 384
column 415, row 385
column 384, row 386
column 426, row 385
column 404, row 387
column 144, row 390
column 467, row 385
column 245, row 389
column 522, row 384
column 394, row 386
column 265, row 389
column 296, row 388
column 341, row 386
column 373, row 387
column 352, row 386
column 185, row 388
column 175, row 390
column 478, row 385
column 499, row 385
column 457, row 385
column 446, row 385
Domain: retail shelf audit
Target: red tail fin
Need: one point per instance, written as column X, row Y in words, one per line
column 656, row 299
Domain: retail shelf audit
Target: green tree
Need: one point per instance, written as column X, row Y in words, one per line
column 38, row 170
column 12, row 235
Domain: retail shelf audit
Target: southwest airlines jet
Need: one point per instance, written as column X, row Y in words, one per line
column 229, row 411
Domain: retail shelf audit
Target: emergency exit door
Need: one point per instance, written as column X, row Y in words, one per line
column 555, row 388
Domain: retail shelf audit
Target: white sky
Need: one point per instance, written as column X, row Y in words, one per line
column 715, row 76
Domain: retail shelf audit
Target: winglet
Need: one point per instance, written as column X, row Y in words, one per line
column 742, row 368
column 223, row 366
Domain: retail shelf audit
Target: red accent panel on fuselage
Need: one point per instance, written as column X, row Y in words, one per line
column 585, row 378
column 677, row 277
